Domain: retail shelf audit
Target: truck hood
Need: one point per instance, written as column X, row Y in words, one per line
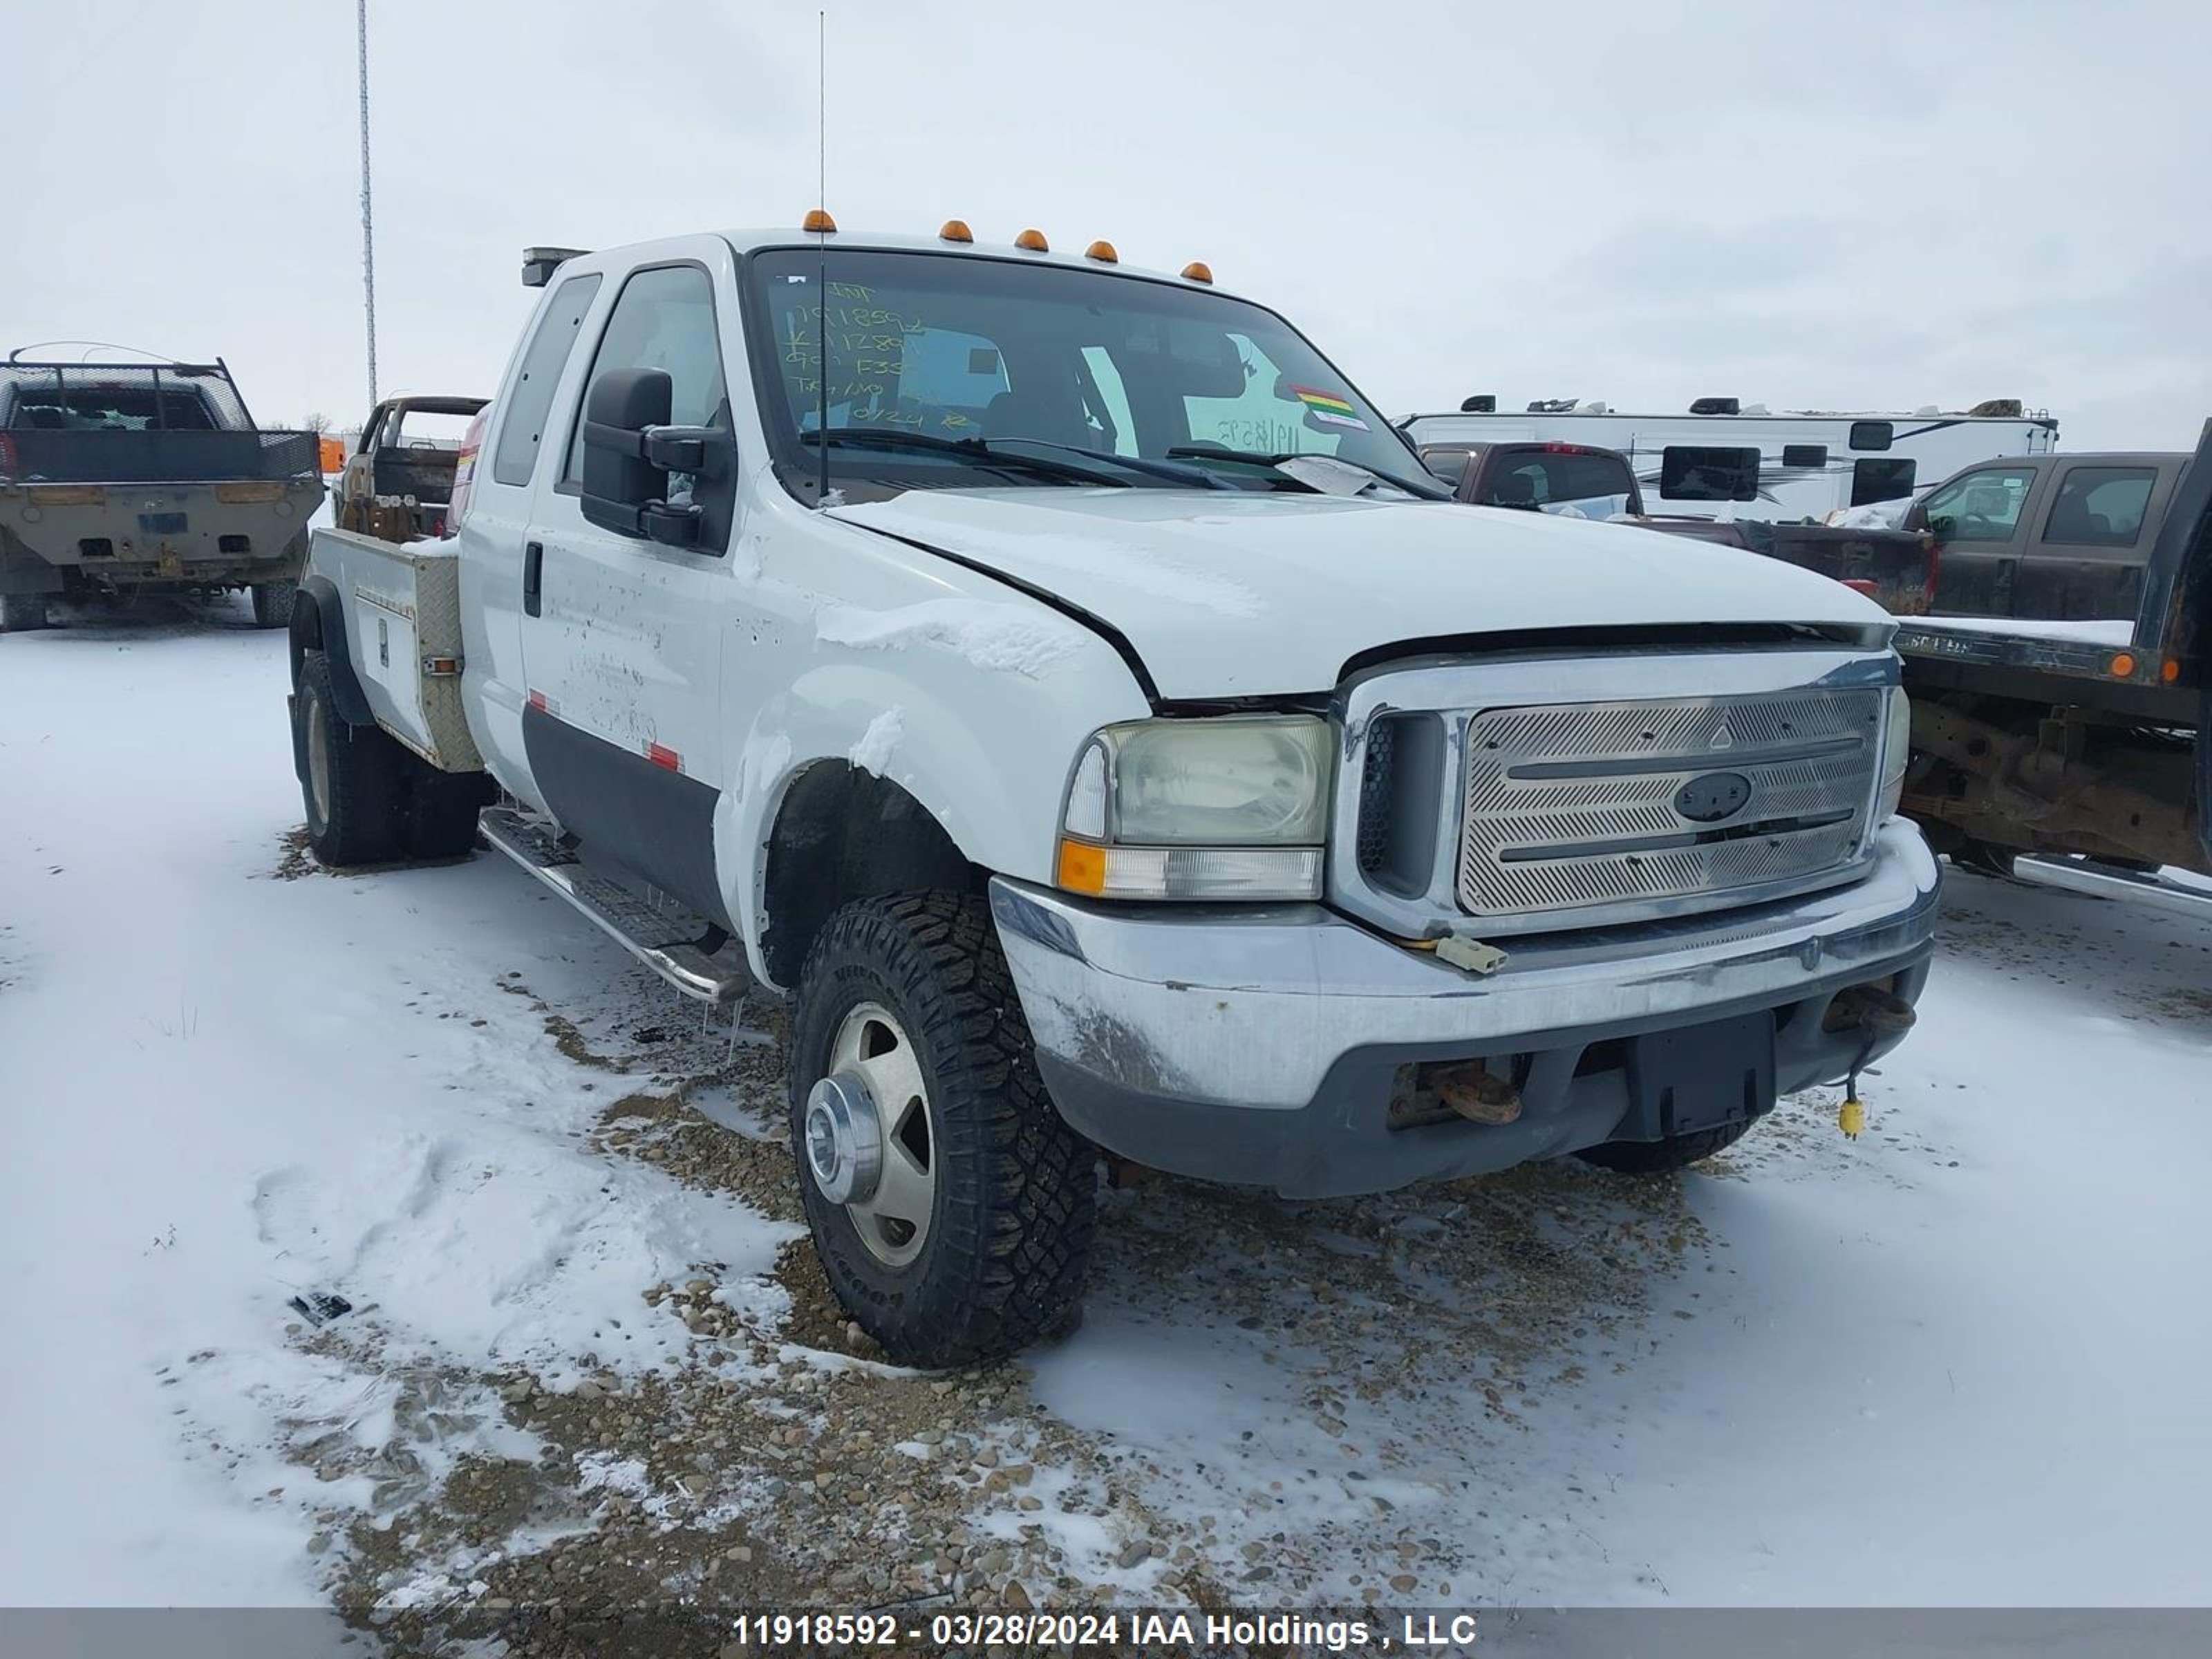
column 1227, row 595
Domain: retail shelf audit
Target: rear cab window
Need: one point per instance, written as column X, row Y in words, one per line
column 1572, row 483
column 2099, row 506
column 428, row 429
column 1882, row 480
column 531, row 400
column 116, row 410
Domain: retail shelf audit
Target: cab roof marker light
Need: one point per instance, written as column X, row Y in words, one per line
column 818, row 222
column 1032, row 242
column 1198, row 271
column 1102, row 251
column 955, row 230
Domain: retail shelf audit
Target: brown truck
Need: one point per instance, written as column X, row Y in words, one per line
column 2061, row 693
column 1894, row 567
column 398, row 485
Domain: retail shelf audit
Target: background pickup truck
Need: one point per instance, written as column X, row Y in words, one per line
column 1064, row 684
column 398, row 483
column 122, row 478
column 1896, row 568
column 2062, row 694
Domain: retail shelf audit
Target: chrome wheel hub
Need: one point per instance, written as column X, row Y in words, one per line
column 870, row 1141
column 844, row 1139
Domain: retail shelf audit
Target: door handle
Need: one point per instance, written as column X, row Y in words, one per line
column 533, row 578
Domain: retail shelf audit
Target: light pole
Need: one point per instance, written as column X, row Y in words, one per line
column 367, row 224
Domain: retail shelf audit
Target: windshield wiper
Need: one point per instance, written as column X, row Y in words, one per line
column 1151, row 469
column 1432, row 491
column 974, row 450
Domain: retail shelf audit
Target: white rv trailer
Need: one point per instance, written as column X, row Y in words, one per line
column 1722, row 460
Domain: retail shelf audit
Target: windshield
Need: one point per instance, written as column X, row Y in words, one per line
column 1046, row 361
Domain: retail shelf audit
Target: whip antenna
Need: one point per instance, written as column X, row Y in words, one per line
column 821, row 249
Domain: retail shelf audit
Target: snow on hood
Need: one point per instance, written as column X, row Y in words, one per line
column 1248, row 595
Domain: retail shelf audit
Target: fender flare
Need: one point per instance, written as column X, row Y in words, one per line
column 319, row 624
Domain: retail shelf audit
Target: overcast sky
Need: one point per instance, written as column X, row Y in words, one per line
column 1807, row 205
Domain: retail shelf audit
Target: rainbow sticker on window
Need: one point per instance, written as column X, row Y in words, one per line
column 1327, row 406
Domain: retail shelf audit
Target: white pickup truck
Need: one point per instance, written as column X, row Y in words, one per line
column 871, row 619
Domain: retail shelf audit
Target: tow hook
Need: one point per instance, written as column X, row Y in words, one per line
column 1476, row 1093
column 1869, row 1008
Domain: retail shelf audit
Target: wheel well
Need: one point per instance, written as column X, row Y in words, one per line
column 842, row 834
column 306, row 630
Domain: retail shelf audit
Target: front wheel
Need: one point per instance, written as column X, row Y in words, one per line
column 950, row 1204
column 1663, row 1157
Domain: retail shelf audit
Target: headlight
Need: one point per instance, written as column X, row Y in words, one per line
column 1896, row 752
column 1232, row 807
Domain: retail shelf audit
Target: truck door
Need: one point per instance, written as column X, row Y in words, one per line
column 621, row 638
column 1979, row 521
column 2091, row 545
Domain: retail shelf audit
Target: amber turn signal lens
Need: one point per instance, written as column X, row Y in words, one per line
column 1033, row 242
column 1082, row 867
column 1198, row 271
column 2122, row 665
column 819, row 221
column 956, row 230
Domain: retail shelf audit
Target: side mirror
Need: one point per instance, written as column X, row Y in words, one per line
column 629, row 449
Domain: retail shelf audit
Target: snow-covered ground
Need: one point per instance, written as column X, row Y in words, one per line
column 1961, row 1360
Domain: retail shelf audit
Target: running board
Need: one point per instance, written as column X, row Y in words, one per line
column 663, row 940
column 2106, row 881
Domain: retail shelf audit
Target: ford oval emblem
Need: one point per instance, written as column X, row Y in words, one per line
column 1713, row 797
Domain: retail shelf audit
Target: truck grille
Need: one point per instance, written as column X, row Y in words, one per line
column 1591, row 803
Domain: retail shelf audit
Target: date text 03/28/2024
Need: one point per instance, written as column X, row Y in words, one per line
column 1163, row 1632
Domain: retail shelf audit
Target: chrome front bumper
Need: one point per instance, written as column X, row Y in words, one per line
column 1256, row 1044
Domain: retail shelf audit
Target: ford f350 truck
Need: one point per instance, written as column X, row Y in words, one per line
column 1062, row 682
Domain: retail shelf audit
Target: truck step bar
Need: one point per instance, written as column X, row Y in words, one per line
column 664, row 941
column 2156, row 889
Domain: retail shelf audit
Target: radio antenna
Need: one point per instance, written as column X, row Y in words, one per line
column 822, row 250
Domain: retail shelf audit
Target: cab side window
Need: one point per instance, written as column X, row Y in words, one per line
column 664, row 320
column 2099, row 506
column 1982, row 507
column 531, row 399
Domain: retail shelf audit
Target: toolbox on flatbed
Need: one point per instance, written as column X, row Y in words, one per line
column 403, row 611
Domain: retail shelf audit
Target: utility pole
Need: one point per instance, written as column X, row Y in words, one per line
column 367, row 224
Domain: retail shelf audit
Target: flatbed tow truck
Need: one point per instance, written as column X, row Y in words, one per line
column 2070, row 748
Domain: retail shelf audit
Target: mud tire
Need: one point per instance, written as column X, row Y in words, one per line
column 1002, row 1264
